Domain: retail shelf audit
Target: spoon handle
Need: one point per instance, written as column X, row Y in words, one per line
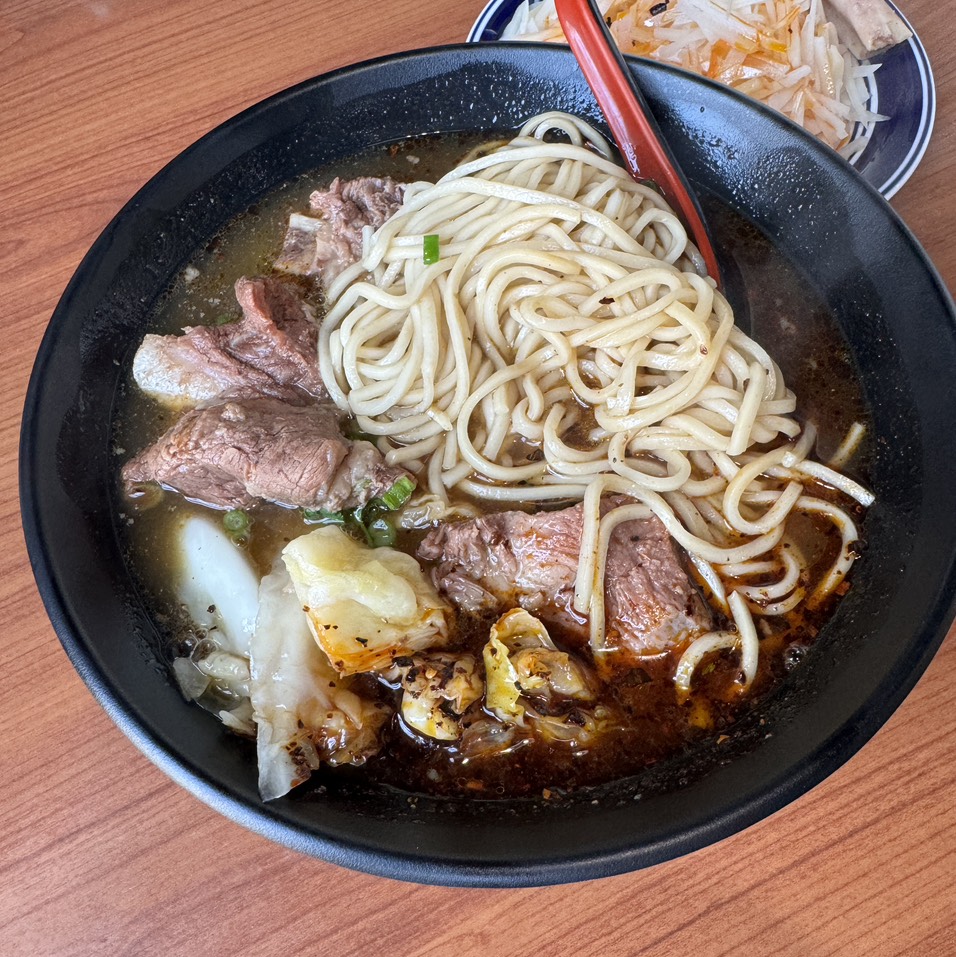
column 646, row 155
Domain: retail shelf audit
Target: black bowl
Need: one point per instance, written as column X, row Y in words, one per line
column 890, row 304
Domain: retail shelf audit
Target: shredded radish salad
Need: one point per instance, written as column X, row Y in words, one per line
column 783, row 53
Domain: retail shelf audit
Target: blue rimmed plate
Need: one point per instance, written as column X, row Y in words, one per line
column 902, row 89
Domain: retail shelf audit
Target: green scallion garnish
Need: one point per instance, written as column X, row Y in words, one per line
column 238, row 524
column 320, row 516
column 399, row 493
column 369, row 522
column 380, row 532
column 430, row 251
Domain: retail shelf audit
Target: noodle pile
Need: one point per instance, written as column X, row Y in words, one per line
column 564, row 347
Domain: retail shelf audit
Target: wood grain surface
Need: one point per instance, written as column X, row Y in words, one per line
column 100, row 853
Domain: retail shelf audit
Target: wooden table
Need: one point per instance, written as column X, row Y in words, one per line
column 100, row 853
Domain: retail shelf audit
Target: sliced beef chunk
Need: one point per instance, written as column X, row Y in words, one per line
column 230, row 455
column 270, row 351
column 326, row 244
column 515, row 559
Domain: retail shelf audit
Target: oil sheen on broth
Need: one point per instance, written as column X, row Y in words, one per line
column 649, row 724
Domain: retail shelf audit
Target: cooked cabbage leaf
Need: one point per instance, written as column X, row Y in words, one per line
column 365, row 607
column 216, row 582
column 438, row 688
column 304, row 712
column 503, row 691
column 521, row 659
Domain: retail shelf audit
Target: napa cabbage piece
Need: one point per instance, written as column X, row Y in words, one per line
column 216, row 583
column 522, row 660
column 437, row 689
column 502, row 691
column 218, row 587
column 304, row 712
column 533, row 690
column 366, row 607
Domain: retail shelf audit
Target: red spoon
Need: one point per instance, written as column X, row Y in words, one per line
column 638, row 137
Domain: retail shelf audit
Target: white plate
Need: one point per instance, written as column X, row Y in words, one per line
column 902, row 89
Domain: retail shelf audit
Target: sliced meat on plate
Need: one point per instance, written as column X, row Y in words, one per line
column 867, row 27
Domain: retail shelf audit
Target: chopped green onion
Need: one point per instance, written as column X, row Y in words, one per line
column 238, row 524
column 380, row 532
column 430, row 252
column 399, row 493
column 367, row 522
column 225, row 319
column 358, row 527
column 320, row 516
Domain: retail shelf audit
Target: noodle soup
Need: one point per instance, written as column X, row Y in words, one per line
column 499, row 399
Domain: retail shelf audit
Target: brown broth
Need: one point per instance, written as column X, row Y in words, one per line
column 788, row 317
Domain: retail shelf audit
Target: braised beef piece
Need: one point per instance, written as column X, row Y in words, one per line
column 270, row 351
column 324, row 245
column 230, row 455
column 514, row 559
